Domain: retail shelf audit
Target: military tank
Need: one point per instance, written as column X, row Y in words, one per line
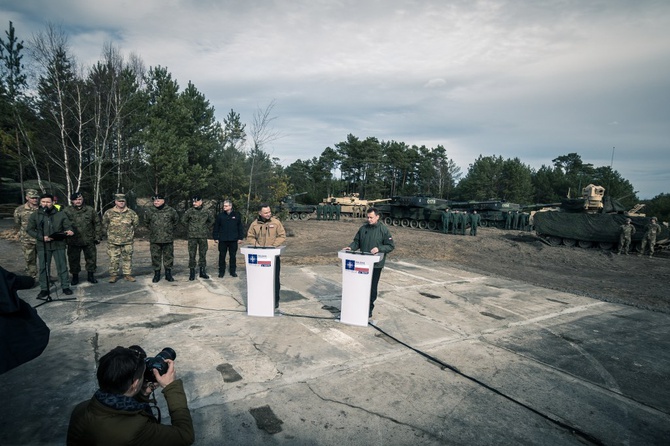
column 351, row 205
column 418, row 211
column 493, row 213
column 592, row 220
column 294, row 210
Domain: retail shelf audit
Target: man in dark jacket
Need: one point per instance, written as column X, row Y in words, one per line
column 50, row 228
column 373, row 237
column 228, row 233
column 119, row 413
column 87, row 234
column 162, row 221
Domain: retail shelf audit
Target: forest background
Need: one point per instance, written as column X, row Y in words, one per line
column 118, row 127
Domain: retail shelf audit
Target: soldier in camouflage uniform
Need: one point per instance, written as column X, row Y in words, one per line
column 198, row 222
column 87, row 234
column 119, row 224
column 162, row 221
column 626, row 232
column 651, row 231
column 21, row 216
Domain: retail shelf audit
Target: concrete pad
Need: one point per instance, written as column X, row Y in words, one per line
column 492, row 361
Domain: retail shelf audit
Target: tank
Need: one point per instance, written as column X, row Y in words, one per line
column 296, row 211
column 592, row 220
column 351, row 205
column 493, row 213
column 418, row 211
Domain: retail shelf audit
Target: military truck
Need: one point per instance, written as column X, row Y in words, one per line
column 294, row 210
column 592, row 220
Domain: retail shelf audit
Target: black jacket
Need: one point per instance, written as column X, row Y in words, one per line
column 228, row 227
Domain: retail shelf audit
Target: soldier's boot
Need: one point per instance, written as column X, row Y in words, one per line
column 168, row 275
column 75, row 279
column 191, row 274
column 221, row 273
column 91, row 278
column 157, row 276
column 129, row 278
column 113, row 279
column 203, row 273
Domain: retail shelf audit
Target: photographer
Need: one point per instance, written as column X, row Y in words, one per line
column 119, row 412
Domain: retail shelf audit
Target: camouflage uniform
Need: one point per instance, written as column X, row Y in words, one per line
column 626, row 232
column 319, row 212
column 21, row 216
column 87, row 232
column 338, row 212
column 162, row 224
column 198, row 222
column 651, row 231
column 119, row 225
column 456, row 222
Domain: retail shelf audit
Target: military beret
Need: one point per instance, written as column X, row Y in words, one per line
column 32, row 193
column 158, row 197
column 196, row 198
column 120, row 197
column 75, row 195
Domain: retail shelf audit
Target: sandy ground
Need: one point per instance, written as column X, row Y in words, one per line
column 631, row 280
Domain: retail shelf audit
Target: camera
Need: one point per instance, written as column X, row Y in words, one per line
column 157, row 362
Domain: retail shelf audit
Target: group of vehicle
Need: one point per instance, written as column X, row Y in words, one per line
column 590, row 220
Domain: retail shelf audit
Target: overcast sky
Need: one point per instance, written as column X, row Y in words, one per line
column 531, row 79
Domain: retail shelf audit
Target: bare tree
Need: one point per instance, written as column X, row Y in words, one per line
column 262, row 133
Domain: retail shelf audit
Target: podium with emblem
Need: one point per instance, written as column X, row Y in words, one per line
column 357, row 268
column 260, row 263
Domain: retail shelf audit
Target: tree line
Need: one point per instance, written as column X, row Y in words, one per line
column 116, row 126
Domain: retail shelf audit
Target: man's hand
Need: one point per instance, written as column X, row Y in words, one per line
column 69, row 233
column 346, row 249
column 374, row 250
column 170, row 375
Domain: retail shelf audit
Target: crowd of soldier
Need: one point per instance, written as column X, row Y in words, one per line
column 45, row 232
column 328, row 211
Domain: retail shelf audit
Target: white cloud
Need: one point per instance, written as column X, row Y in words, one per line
column 514, row 78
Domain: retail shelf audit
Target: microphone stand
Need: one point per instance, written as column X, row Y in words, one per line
column 47, row 272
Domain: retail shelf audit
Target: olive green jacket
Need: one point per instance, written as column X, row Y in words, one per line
column 93, row 423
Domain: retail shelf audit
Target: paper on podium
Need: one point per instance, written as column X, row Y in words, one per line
column 260, row 263
column 357, row 269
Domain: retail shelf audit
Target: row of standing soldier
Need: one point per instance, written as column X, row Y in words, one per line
column 82, row 229
column 328, row 211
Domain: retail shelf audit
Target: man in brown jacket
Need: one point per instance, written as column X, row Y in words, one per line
column 119, row 413
column 267, row 231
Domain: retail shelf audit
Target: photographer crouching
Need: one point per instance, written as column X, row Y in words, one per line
column 119, row 412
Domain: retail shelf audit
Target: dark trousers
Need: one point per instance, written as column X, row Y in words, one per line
column 162, row 253
column 74, row 257
column 45, row 265
column 376, row 274
column 277, row 284
column 231, row 248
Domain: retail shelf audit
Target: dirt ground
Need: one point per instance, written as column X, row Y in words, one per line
column 638, row 281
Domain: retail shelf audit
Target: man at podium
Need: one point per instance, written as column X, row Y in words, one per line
column 373, row 237
column 266, row 231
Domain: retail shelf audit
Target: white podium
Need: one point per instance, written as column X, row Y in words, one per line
column 260, row 263
column 357, row 271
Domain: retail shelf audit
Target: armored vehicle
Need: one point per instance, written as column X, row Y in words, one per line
column 351, row 205
column 296, row 211
column 493, row 213
column 592, row 220
column 418, row 211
